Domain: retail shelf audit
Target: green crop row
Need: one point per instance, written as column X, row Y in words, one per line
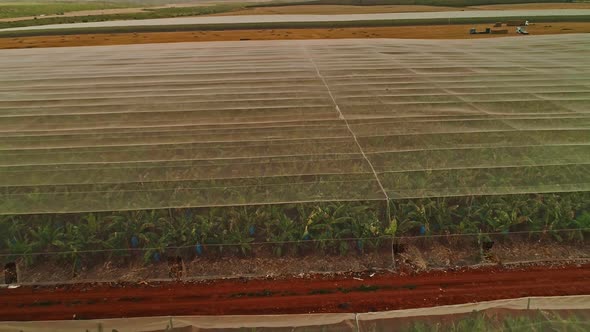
column 293, row 229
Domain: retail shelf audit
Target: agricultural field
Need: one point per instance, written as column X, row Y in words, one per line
column 117, row 159
column 24, row 14
column 10, row 9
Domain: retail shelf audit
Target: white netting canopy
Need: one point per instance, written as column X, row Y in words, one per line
column 221, row 124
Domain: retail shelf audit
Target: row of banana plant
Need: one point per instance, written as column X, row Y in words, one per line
column 330, row 228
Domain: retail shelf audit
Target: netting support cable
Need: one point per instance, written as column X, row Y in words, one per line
column 346, row 239
column 341, row 117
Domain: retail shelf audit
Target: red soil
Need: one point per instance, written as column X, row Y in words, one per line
column 383, row 291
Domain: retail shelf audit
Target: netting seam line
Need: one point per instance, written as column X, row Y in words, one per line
column 197, row 142
column 490, row 147
column 208, row 178
column 140, row 162
column 341, row 116
column 517, row 82
column 308, row 241
column 164, row 138
column 512, row 191
column 156, row 82
column 194, row 96
column 388, row 114
column 94, row 108
column 178, row 190
column 463, row 119
column 38, row 111
column 184, row 88
column 289, row 123
column 164, row 74
column 170, row 129
column 490, row 131
column 148, row 124
column 164, row 131
column 537, row 164
column 309, row 92
column 530, row 131
column 139, row 181
column 294, row 140
column 145, row 164
column 187, row 146
column 290, row 175
column 449, row 189
column 535, row 90
column 28, row 111
column 195, row 206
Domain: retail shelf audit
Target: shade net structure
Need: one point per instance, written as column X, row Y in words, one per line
column 569, row 313
column 148, row 135
column 201, row 125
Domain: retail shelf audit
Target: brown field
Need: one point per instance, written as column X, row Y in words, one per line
column 420, row 32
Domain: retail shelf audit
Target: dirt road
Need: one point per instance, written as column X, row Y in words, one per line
column 296, row 295
column 411, row 32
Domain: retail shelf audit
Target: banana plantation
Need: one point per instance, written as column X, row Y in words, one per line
column 335, row 149
column 333, row 228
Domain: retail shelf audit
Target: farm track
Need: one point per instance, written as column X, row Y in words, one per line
column 311, row 294
column 407, row 32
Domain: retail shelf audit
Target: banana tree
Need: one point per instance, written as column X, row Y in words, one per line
column 279, row 228
column 17, row 239
column 234, row 232
column 208, row 228
column 47, row 237
column 134, row 229
column 366, row 227
column 20, row 249
column 74, row 242
column 410, row 216
column 328, row 223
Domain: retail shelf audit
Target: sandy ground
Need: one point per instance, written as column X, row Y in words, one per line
column 423, row 32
